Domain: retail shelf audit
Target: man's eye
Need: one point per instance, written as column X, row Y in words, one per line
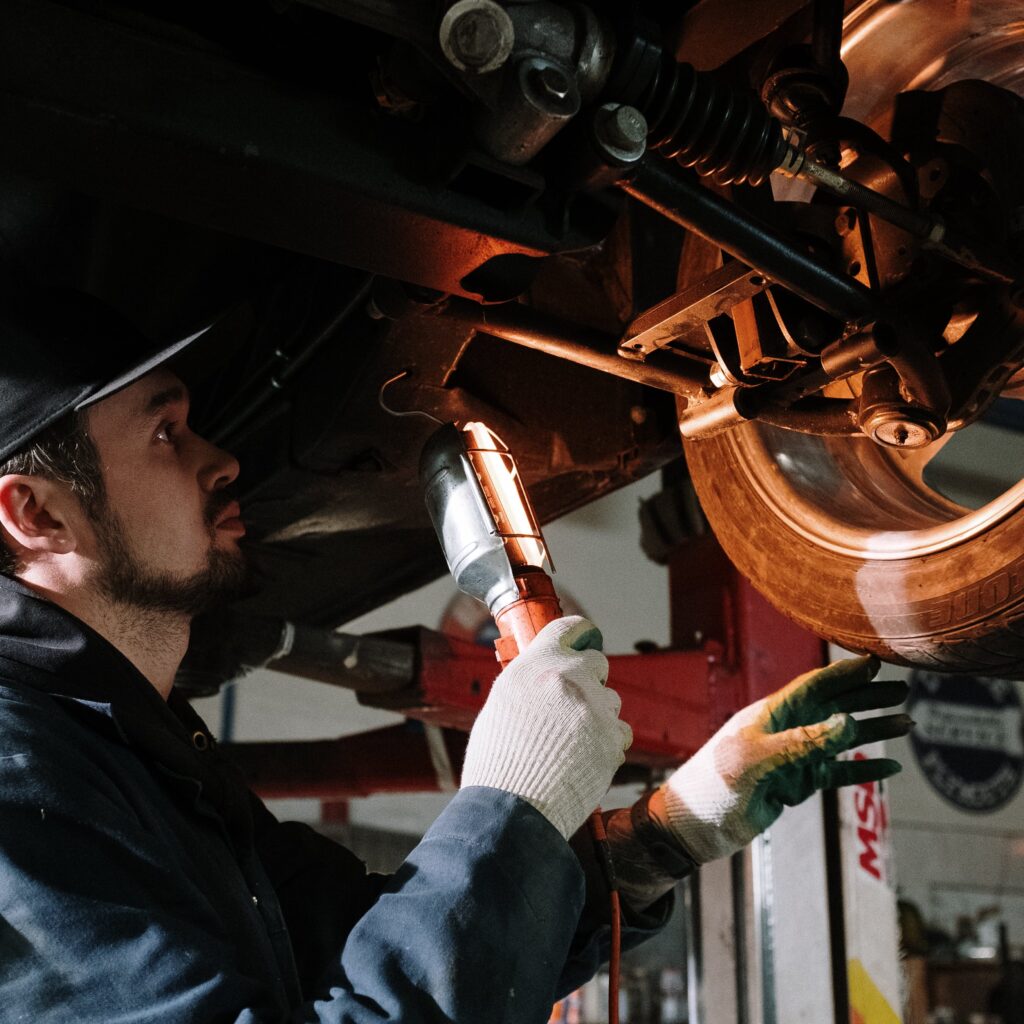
column 166, row 432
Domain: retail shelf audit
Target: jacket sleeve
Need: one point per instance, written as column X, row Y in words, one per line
column 492, row 890
column 591, row 944
column 324, row 889
column 97, row 924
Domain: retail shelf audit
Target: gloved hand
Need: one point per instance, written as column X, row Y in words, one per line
column 550, row 731
column 777, row 752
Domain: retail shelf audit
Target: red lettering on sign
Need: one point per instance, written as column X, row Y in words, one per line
column 871, row 815
column 869, row 852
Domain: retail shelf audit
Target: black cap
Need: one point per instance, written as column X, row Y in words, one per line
column 62, row 350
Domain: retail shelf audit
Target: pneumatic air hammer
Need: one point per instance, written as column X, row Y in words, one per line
column 496, row 553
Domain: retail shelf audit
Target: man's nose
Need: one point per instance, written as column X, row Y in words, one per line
column 219, row 469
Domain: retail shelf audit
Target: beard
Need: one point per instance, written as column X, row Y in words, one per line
column 123, row 578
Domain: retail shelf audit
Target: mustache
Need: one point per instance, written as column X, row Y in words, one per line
column 218, row 502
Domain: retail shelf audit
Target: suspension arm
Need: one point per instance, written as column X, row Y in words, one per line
column 700, row 210
column 586, row 346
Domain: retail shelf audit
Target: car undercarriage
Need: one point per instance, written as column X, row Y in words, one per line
column 789, row 233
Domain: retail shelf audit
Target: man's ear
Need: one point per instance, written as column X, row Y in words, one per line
column 34, row 514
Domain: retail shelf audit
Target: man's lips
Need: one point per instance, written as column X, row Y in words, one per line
column 230, row 520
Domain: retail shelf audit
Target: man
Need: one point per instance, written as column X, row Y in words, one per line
column 139, row 878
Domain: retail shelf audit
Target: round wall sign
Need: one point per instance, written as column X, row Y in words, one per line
column 969, row 739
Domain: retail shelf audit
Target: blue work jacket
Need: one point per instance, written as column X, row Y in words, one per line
column 141, row 880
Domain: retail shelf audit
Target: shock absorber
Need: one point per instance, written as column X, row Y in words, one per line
column 693, row 117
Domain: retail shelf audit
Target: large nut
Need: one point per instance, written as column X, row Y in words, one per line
column 476, row 36
column 906, row 427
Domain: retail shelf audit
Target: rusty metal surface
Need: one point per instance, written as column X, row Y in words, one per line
column 682, row 316
column 824, row 416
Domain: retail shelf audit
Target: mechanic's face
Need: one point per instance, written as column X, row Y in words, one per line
column 167, row 533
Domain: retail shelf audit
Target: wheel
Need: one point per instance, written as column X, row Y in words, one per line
column 859, row 548
column 852, row 539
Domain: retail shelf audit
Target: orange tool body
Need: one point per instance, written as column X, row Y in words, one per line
column 519, row 622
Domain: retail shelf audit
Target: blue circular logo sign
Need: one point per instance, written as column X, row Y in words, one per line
column 969, row 739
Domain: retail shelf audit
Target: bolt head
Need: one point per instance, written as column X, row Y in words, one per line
column 899, row 434
column 717, row 376
column 551, row 81
column 627, row 126
column 548, row 88
column 621, row 131
column 892, row 429
column 476, row 35
column 846, row 221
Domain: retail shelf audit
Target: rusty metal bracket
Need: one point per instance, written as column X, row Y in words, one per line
column 682, row 316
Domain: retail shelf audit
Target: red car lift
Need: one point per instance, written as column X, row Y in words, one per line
column 729, row 647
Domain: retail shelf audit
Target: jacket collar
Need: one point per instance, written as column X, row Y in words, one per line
column 45, row 647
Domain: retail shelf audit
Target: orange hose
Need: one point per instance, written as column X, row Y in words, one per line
column 597, row 830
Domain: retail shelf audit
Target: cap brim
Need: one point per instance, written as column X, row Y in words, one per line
column 149, row 364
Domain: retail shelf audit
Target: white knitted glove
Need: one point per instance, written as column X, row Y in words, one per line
column 549, row 731
column 777, row 752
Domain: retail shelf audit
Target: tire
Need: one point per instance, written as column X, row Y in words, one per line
column 956, row 607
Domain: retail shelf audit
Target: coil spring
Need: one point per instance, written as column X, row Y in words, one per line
column 721, row 132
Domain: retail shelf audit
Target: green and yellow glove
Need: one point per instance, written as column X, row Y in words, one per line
column 777, row 752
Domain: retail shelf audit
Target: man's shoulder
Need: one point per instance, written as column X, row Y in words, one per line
column 24, row 711
column 46, row 740
column 24, row 706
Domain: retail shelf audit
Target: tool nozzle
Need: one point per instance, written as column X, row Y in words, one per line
column 481, row 513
